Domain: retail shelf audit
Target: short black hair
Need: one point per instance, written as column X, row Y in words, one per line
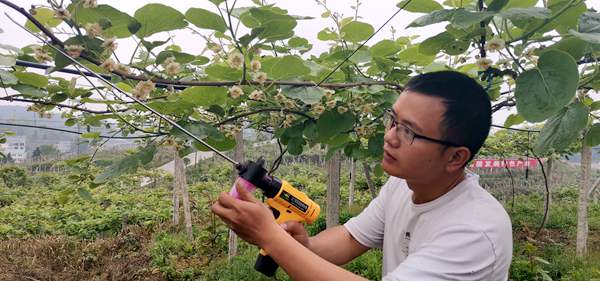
column 468, row 115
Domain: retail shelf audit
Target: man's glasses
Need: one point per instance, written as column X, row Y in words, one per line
column 406, row 134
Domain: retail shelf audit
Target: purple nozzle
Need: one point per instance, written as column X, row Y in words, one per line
column 244, row 183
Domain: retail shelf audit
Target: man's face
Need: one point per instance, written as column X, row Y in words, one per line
column 422, row 160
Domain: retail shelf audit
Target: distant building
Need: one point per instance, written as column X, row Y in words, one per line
column 64, row 146
column 15, row 146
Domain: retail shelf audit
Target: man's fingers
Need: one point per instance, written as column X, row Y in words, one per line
column 294, row 227
column 245, row 195
column 224, row 213
column 227, row 200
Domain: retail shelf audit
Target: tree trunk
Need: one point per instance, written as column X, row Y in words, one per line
column 238, row 156
column 369, row 181
column 333, row 191
column 176, row 193
column 352, row 182
column 582, row 210
column 180, row 182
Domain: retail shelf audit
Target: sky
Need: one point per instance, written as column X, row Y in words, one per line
column 372, row 12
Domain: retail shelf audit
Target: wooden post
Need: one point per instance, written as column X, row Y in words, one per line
column 333, row 191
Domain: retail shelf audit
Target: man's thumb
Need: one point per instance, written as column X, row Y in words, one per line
column 243, row 192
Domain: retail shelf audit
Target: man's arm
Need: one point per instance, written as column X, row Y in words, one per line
column 300, row 263
column 335, row 244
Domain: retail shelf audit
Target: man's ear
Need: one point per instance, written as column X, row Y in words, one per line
column 457, row 158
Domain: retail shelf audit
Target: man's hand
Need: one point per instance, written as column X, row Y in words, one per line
column 249, row 218
column 297, row 230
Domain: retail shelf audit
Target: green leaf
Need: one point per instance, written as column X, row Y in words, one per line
column 433, row 17
column 542, row 91
column 420, row 6
column 520, row 4
column 119, row 21
column 217, row 2
column 287, row 67
column 204, row 96
column 32, row 79
column 308, row 95
column 127, row 164
column 526, row 13
column 223, row 72
column 91, row 135
column 589, row 23
column 8, row 60
column 592, row 137
column 29, row 91
column 385, row 48
column 563, row 128
column 331, row 123
column 327, row 35
column 85, row 194
column 375, row 145
column 274, row 23
column 179, row 57
column 513, row 119
column 593, row 38
column 45, row 16
column 569, row 18
column 221, row 144
column 572, row 45
column 431, row 46
column 412, row 56
column 156, row 18
column 205, row 19
column 356, row 31
column 7, row 78
column 199, row 129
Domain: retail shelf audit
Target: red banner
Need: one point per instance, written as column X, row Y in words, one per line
column 502, row 164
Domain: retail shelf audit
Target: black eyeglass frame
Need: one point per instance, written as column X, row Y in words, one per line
column 394, row 124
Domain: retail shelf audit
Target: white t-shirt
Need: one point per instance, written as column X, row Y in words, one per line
column 463, row 235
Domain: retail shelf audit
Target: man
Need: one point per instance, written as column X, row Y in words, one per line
column 432, row 218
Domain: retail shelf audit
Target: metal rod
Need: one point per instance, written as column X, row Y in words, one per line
column 94, row 74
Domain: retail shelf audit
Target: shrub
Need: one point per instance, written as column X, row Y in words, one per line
column 13, row 176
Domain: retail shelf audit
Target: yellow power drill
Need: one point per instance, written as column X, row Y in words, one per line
column 286, row 202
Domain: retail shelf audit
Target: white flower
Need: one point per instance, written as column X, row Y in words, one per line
column 143, row 89
column 318, row 109
column 289, row 104
column 260, row 77
column 484, row 63
column 110, row 43
column 123, row 69
column 289, row 119
column 168, row 60
column 329, row 94
column 235, row 60
column 215, row 48
column 236, row 92
column 173, row 68
column 93, row 29
column 90, row 4
column 257, row 95
column 109, row 65
column 74, row 50
column 366, row 108
column 62, row 14
column 255, row 65
column 41, row 55
column 342, row 109
column 280, row 98
column 494, row 44
column 330, row 103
